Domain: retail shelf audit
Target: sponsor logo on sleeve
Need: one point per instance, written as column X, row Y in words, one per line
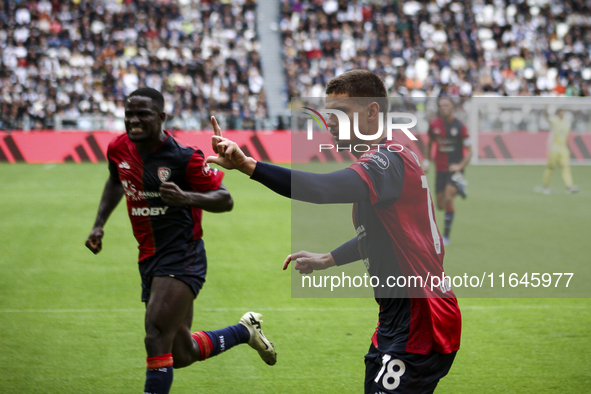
column 379, row 158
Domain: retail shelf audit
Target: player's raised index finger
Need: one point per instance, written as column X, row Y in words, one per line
column 216, row 127
column 286, row 262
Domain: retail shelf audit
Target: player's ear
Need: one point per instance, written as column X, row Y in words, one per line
column 163, row 116
column 373, row 111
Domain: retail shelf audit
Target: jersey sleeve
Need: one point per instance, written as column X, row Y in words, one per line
column 383, row 172
column 342, row 186
column 200, row 176
column 113, row 171
column 346, row 253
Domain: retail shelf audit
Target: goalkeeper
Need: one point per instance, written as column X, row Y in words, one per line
column 560, row 126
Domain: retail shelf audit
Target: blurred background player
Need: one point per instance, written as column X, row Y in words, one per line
column 167, row 187
column 451, row 137
column 558, row 152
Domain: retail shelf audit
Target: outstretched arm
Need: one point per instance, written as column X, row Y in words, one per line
column 218, row 200
column 344, row 186
column 112, row 194
column 338, row 187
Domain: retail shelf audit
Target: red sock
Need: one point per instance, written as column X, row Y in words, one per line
column 204, row 342
column 159, row 374
column 163, row 361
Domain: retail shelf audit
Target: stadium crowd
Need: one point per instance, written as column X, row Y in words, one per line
column 76, row 57
column 81, row 57
column 441, row 47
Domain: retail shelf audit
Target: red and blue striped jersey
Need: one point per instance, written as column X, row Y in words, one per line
column 397, row 236
column 162, row 231
column 450, row 139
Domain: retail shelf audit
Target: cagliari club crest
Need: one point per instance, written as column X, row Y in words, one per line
column 164, row 173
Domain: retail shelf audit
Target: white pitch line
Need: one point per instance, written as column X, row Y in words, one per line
column 197, row 309
column 488, row 307
column 289, row 309
column 68, row 310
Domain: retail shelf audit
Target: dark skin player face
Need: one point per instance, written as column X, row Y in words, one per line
column 143, row 123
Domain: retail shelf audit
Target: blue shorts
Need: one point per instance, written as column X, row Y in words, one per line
column 405, row 372
column 190, row 270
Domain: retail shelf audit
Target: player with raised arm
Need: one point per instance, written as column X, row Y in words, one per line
column 167, row 186
column 419, row 328
column 558, row 152
column 451, row 137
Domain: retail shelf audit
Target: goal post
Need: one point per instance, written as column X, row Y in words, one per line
column 516, row 130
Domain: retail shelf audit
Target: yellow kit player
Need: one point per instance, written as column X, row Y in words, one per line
column 560, row 126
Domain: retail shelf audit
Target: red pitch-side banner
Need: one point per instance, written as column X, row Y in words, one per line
column 527, row 147
column 272, row 146
column 79, row 146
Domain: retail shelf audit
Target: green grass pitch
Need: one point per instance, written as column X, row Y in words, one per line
column 72, row 322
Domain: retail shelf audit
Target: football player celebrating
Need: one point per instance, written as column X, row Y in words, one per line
column 167, row 186
column 419, row 328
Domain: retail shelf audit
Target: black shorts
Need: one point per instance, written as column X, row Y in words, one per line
column 405, row 372
column 443, row 179
column 190, row 270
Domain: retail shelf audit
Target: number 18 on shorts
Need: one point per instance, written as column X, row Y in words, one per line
column 405, row 372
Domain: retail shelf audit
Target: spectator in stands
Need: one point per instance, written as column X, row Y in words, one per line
column 83, row 57
column 440, row 48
